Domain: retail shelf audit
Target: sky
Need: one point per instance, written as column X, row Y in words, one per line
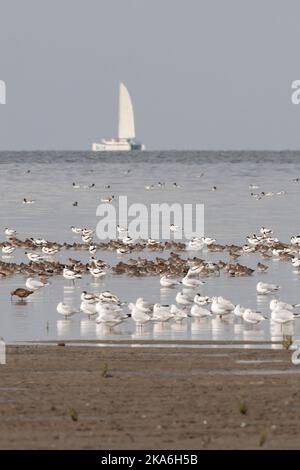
column 202, row 74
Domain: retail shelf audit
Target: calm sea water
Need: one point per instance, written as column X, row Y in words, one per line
column 230, row 214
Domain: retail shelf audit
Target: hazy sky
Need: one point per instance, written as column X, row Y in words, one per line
column 203, row 74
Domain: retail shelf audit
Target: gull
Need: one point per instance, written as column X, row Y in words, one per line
column 77, row 230
column 192, row 282
column 266, row 231
column 253, row 186
column 239, row 310
column 97, row 272
column 253, row 317
column 221, row 306
column 75, row 186
column 208, row 241
column 143, row 305
column 70, row 274
column 195, row 244
column 88, row 308
column 89, row 298
column 123, row 250
column 168, row 281
column 8, row 249
column 28, row 201
column 34, row 257
column 278, row 304
column 264, row 288
column 138, row 316
column 174, row 228
column 179, row 314
column 162, row 313
column 108, row 199
column 9, row 232
column 201, row 300
column 183, row 299
column 200, row 312
column 109, row 315
column 34, row 284
column 65, row 310
column 282, row 316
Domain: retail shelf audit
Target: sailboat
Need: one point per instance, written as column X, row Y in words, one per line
column 126, row 129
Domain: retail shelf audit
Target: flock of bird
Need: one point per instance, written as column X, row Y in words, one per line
column 185, row 274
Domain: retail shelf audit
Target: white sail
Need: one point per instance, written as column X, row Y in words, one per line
column 126, row 119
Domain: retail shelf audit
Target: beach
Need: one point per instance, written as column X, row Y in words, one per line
column 61, row 396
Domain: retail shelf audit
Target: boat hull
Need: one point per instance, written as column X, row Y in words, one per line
column 121, row 145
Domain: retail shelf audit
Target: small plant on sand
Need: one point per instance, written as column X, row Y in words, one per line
column 262, row 439
column 73, row 414
column 243, row 407
column 105, row 372
column 287, row 341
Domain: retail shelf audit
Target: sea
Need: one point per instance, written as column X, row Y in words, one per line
column 230, row 214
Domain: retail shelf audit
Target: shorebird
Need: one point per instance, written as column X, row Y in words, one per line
column 21, row 293
column 128, row 240
column 34, row 257
column 65, row 310
column 174, row 228
column 93, row 249
column 89, row 298
column 108, row 199
column 261, row 267
column 97, row 272
column 28, row 201
column 264, row 288
column 77, row 230
column 266, row 231
column 122, row 229
column 50, row 251
column 8, row 249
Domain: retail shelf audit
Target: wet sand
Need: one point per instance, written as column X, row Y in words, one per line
column 65, row 397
